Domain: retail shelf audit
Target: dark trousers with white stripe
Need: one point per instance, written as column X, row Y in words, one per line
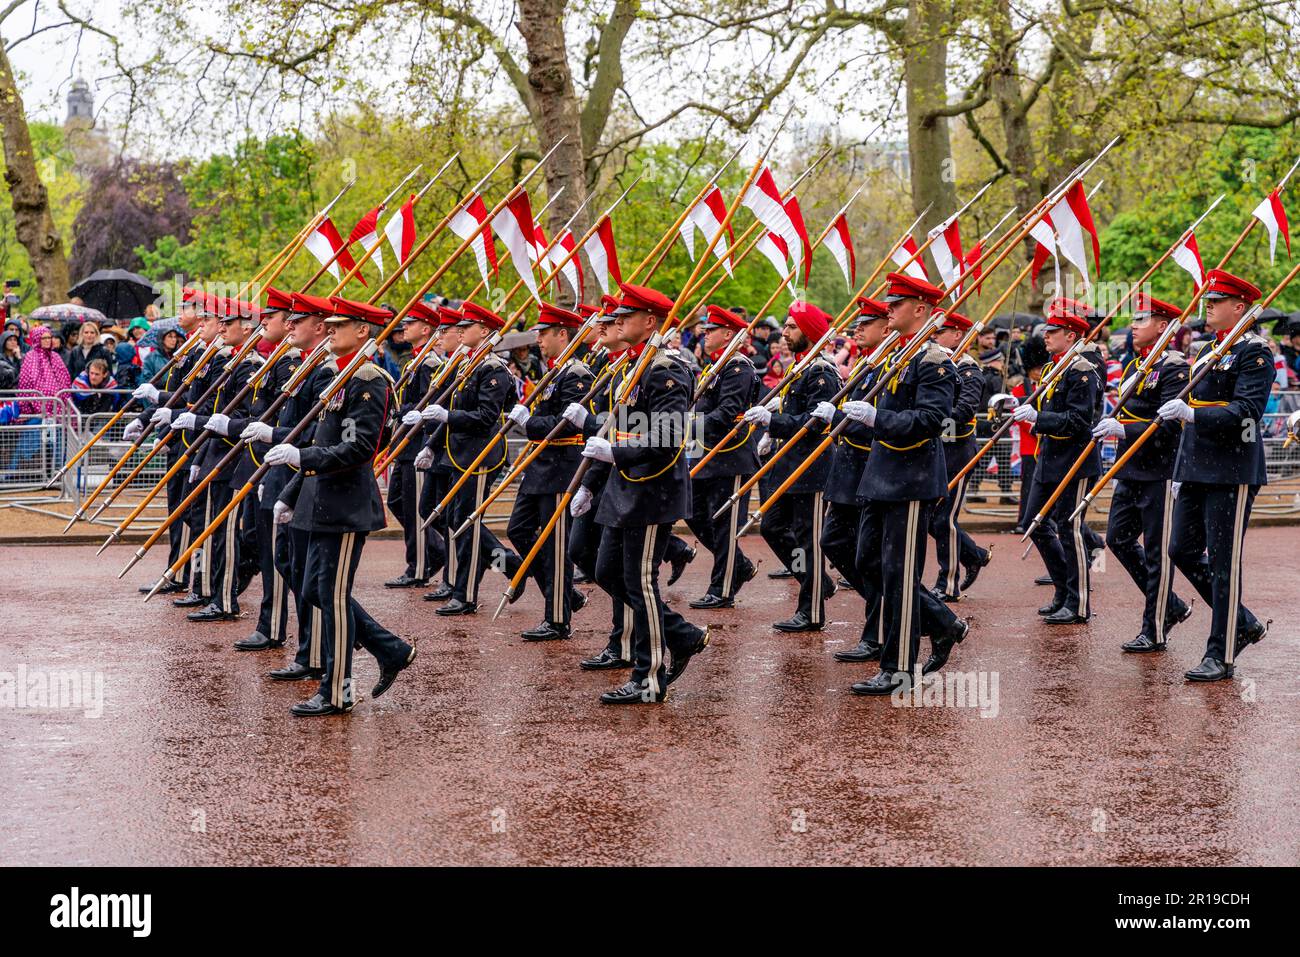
column 953, row 548
column 291, row 565
column 433, row 489
column 425, row 550
column 332, row 560
column 1208, row 535
column 719, row 537
column 273, row 611
column 627, row 566
column 1137, row 531
column 178, row 533
column 840, row 542
column 1062, row 542
column 793, row 530
column 223, row 548
column 584, row 550
column 552, row 569
column 891, row 572
column 477, row 549
column 199, row 516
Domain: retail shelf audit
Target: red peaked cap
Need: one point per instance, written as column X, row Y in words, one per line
column 231, row 309
column 719, row 318
column 1147, row 305
column 871, row 309
column 1069, row 314
column 644, row 299
column 422, row 312
column 1224, row 285
column 903, row 286
column 277, row 300
column 549, row 315
column 310, row 305
column 450, row 317
column 609, row 306
column 345, row 309
column 955, row 320
column 476, row 313
column 812, row 322
column 586, row 310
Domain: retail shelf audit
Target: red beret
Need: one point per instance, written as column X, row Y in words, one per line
column 719, row 318
column 871, row 308
column 275, row 299
column 421, row 311
column 1224, row 285
column 351, row 309
column 448, row 316
column 548, row 315
column 1148, row 306
column 1068, row 314
column 310, row 305
column 955, row 320
column 476, row 313
column 812, row 322
column 643, row 298
column 903, row 286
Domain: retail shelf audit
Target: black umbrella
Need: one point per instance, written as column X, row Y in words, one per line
column 1021, row 320
column 116, row 293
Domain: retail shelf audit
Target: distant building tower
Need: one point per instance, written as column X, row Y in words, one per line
column 81, row 105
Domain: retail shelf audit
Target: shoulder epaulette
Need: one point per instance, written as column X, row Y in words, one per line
column 1175, row 358
column 935, row 353
column 578, row 367
column 293, row 353
column 1082, row 362
column 370, row 371
column 1254, row 339
column 967, row 360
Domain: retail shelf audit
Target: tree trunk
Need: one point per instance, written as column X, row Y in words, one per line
column 925, row 71
column 555, row 107
column 33, row 223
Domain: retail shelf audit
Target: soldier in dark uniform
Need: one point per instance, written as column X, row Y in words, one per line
column 904, row 479
column 335, row 499
column 794, row 526
column 1143, row 498
column 993, row 363
column 1219, row 470
column 475, row 412
column 959, row 558
column 727, row 393
column 848, row 461
column 648, row 489
column 433, row 459
column 1062, row 418
column 425, row 551
column 547, row 477
column 178, row 486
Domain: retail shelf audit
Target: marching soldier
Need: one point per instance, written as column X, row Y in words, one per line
column 425, row 551
column 1062, row 418
column 848, row 460
column 648, row 489
column 547, row 476
column 433, row 459
column 959, row 558
column 904, row 479
column 335, row 499
column 1219, row 470
column 793, row 529
column 729, row 392
column 237, row 321
column 1142, row 500
column 476, row 410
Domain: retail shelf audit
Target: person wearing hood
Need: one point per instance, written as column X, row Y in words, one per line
column 42, row 372
column 127, row 365
column 11, row 351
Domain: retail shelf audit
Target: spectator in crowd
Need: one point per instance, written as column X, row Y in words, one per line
column 136, row 330
column 126, row 365
column 42, row 371
column 16, row 324
column 94, row 385
column 528, row 363
column 686, row 355
column 168, row 342
column 777, row 365
column 87, row 347
column 762, row 341
column 11, row 352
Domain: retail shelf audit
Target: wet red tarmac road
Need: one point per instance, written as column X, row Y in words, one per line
column 491, row 750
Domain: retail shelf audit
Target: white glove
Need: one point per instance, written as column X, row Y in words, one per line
column 185, row 420
column 134, row 429
column 1293, row 421
column 598, row 449
column 161, row 416
column 580, row 504
column 281, row 514
column 1025, row 413
column 412, row 417
column 996, row 402
column 773, row 403
column 194, row 474
column 1108, row 428
column 424, row 459
column 218, row 423
column 574, row 414
column 284, row 454
column 863, row 412
column 824, row 411
column 1175, row 486
column 518, row 415
column 1176, row 409
column 765, row 444
column 146, row 392
column 257, row 432
column 260, row 489
column 759, row 415
column 435, row 412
